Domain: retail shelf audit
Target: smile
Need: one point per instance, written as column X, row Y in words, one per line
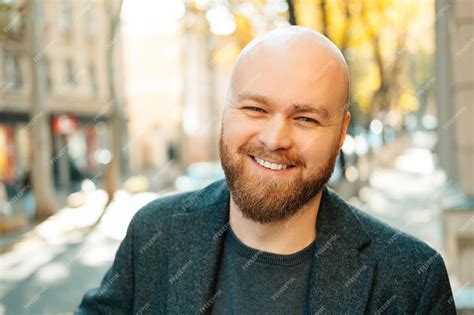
column 271, row 165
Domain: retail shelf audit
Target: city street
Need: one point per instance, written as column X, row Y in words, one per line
column 106, row 105
column 50, row 272
column 407, row 196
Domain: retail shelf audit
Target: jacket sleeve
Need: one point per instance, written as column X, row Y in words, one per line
column 437, row 297
column 115, row 294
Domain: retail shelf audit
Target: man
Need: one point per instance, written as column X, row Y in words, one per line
column 272, row 238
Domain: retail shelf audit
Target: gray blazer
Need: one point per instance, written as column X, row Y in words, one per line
column 168, row 261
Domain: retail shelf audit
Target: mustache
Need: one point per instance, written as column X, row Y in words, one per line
column 281, row 158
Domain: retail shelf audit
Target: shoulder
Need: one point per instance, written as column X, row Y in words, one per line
column 162, row 209
column 397, row 251
column 407, row 267
column 390, row 240
column 388, row 244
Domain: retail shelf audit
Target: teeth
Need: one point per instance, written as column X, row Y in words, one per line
column 272, row 166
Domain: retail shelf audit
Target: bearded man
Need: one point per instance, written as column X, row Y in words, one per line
column 272, row 238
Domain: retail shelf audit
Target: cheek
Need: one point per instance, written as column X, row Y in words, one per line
column 316, row 150
column 236, row 132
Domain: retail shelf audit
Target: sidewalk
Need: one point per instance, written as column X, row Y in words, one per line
column 18, row 224
column 407, row 195
column 49, row 271
column 64, row 220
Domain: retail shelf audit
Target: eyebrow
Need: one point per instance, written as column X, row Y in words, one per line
column 295, row 108
column 253, row 97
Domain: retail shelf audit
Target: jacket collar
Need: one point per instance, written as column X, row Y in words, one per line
column 194, row 259
column 341, row 273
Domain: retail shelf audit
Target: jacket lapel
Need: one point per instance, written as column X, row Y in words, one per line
column 341, row 276
column 194, row 257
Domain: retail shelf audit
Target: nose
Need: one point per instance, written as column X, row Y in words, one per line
column 275, row 134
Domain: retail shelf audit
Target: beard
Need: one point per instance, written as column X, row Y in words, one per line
column 264, row 199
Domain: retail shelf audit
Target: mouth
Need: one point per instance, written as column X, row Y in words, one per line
column 271, row 166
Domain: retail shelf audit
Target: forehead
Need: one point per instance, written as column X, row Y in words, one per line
column 298, row 73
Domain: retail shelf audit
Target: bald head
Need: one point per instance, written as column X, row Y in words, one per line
column 292, row 58
column 294, row 37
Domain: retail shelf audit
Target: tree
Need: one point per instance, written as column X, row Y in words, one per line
column 112, row 175
column 41, row 168
column 375, row 33
column 291, row 12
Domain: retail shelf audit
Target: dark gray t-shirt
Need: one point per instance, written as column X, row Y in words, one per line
column 255, row 282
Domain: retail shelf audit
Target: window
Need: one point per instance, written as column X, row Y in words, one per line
column 89, row 22
column 12, row 70
column 47, row 73
column 70, row 79
column 41, row 15
column 93, row 80
column 65, row 15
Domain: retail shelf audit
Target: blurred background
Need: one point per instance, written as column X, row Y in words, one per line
column 107, row 104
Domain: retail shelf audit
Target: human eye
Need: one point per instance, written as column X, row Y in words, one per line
column 253, row 109
column 308, row 120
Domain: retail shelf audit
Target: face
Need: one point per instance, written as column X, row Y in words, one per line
column 281, row 133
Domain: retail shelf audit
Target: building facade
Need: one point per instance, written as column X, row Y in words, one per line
column 455, row 92
column 76, row 36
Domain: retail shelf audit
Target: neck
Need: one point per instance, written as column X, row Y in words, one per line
column 283, row 237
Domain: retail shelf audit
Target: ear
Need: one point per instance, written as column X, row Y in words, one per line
column 345, row 124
